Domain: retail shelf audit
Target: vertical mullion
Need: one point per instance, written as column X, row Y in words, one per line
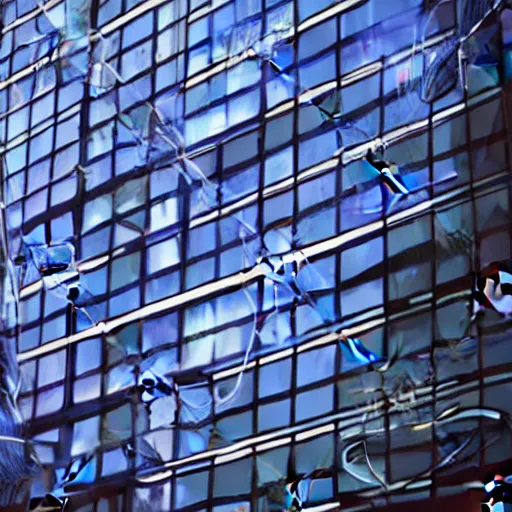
column 476, row 262
column 433, row 287
column 338, row 261
column 184, row 214
column 295, row 146
column 25, row 191
column 385, row 244
column 260, row 290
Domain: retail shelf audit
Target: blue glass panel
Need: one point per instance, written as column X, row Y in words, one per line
column 318, row 38
column 307, row 8
column 198, row 31
column 274, row 378
column 191, row 489
column 49, row 402
column 233, row 478
column 274, row 415
column 198, row 59
column 314, row 403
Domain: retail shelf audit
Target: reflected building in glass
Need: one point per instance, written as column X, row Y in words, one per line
column 214, row 299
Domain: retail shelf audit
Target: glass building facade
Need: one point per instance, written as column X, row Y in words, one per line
column 173, row 144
